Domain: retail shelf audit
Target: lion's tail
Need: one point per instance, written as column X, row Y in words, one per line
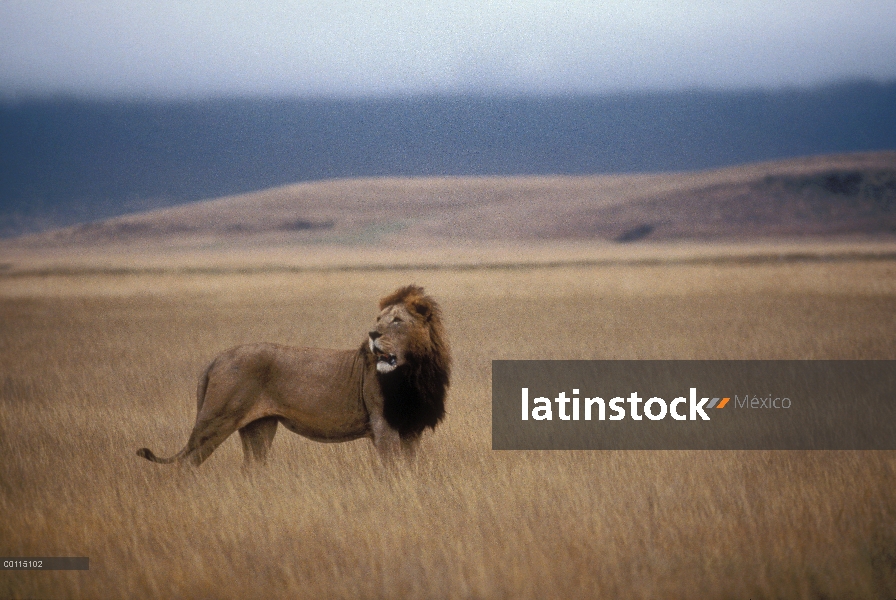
column 200, row 398
column 148, row 455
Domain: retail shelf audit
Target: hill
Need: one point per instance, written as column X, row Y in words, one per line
column 853, row 194
column 67, row 161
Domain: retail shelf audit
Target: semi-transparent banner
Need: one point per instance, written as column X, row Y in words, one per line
column 693, row 405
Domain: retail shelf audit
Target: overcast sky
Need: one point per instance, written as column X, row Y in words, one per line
column 190, row 48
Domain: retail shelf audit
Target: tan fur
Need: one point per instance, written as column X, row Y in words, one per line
column 389, row 390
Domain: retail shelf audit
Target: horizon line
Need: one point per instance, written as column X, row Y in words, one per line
column 25, row 97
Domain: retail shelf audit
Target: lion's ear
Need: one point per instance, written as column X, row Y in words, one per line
column 422, row 308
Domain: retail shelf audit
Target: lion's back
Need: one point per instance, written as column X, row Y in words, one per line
column 292, row 378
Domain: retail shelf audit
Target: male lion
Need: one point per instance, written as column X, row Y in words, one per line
column 390, row 389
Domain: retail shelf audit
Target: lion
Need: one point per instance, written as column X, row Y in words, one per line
column 389, row 390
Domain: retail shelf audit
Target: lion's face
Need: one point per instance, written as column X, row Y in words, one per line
column 394, row 336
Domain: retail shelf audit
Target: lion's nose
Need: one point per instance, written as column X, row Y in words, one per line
column 374, row 335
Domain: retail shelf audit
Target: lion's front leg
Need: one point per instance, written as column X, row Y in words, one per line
column 386, row 441
column 409, row 448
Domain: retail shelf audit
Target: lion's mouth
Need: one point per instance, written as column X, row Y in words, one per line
column 385, row 358
column 386, row 362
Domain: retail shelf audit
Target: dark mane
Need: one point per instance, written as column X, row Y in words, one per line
column 415, row 393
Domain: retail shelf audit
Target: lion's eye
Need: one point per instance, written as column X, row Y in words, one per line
column 396, row 321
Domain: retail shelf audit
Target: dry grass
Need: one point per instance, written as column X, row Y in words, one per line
column 96, row 366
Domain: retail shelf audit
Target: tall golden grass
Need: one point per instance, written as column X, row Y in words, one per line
column 96, row 366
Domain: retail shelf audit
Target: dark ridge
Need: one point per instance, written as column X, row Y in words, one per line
column 876, row 185
column 843, row 183
column 638, row 233
column 303, row 225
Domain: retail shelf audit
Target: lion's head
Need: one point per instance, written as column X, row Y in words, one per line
column 408, row 330
column 413, row 360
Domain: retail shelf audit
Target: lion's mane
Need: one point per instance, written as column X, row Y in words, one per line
column 415, row 394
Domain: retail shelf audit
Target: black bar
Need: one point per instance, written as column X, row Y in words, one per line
column 45, row 563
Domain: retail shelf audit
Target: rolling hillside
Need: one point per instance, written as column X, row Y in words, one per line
column 852, row 194
column 67, row 161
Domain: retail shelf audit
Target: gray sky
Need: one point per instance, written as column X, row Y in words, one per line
column 189, row 48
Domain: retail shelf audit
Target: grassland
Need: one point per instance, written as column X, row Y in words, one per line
column 99, row 363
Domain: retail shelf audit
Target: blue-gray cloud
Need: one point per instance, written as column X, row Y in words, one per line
column 202, row 47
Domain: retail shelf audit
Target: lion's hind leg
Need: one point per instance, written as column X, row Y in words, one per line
column 257, row 438
column 207, row 435
column 210, row 432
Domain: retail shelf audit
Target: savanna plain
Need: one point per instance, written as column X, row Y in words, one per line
column 98, row 364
